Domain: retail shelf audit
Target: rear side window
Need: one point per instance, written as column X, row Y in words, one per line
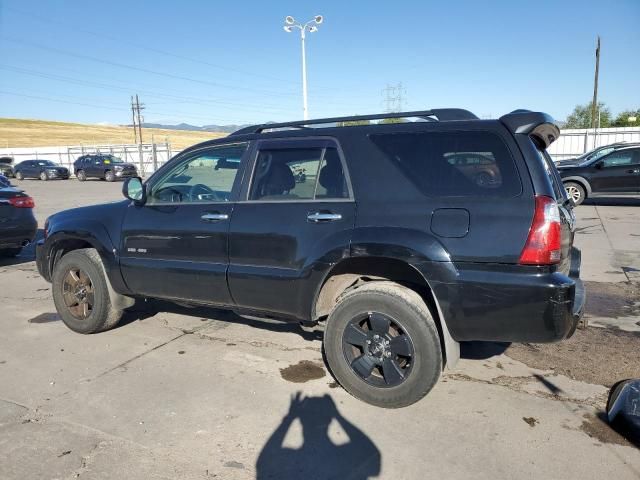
column 298, row 174
column 456, row 164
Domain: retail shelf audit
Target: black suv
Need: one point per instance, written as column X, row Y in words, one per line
column 390, row 242
column 106, row 167
column 610, row 170
column 42, row 169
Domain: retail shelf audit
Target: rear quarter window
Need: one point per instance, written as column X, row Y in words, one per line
column 456, row 164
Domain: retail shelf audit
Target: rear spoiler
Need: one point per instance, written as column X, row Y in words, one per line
column 539, row 125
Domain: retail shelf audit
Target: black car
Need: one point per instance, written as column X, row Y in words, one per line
column 594, row 154
column 18, row 226
column 105, row 167
column 5, row 167
column 42, row 169
column 397, row 251
column 615, row 172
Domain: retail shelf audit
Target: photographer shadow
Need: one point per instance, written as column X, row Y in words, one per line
column 318, row 457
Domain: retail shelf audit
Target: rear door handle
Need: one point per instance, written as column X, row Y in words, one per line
column 214, row 217
column 321, row 217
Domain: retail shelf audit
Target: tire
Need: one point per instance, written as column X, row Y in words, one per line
column 43, row 176
column 19, row 176
column 81, row 176
column 10, row 252
column 101, row 315
column 373, row 304
column 109, row 176
column 576, row 192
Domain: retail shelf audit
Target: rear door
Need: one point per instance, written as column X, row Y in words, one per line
column 616, row 172
column 294, row 222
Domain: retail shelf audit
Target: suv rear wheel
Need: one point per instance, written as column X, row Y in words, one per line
column 109, row 176
column 80, row 292
column 19, row 175
column 575, row 191
column 81, row 176
column 382, row 345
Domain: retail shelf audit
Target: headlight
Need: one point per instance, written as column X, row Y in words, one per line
column 118, row 167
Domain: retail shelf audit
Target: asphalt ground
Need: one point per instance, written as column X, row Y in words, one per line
column 202, row 393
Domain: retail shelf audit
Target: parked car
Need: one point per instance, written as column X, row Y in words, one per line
column 389, row 245
column 594, row 154
column 616, row 172
column 42, row 169
column 18, row 226
column 105, row 167
column 5, row 167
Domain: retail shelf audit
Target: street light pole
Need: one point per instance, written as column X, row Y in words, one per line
column 305, row 108
column 311, row 26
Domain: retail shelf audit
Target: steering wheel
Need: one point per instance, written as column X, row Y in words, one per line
column 202, row 189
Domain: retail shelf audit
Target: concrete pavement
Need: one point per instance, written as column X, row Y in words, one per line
column 200, row 393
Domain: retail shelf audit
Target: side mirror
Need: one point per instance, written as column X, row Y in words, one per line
column 623, row 409
column 134, row 190
column 599, row 165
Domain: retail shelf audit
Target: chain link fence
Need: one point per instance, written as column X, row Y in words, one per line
column 147, row 157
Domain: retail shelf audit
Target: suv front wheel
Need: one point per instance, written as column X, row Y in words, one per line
column 575, row 192
column 382, row 345
column 80, row 292
column 109, row 176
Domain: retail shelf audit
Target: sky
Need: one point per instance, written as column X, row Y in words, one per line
column 214, row 62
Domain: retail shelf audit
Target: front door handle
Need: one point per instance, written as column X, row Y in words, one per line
column 214, row 217
column 321, row 217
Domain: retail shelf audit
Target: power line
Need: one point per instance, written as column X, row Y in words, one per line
column 49, row 21
column 144, row 70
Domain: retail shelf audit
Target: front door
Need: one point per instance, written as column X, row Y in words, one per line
column 617, row 172
column 175, row 246
column 294, row 223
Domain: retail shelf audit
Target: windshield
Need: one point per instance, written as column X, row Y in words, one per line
column 595, row 155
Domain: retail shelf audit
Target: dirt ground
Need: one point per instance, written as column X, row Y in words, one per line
column 600, row 356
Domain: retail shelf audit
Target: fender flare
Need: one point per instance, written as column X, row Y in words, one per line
column 579, row 179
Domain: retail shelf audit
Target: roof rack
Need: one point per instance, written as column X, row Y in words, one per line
column 440, row 114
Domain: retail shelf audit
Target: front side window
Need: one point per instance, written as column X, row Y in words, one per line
column 312, row 173
column 207, row 176
column 453, row 163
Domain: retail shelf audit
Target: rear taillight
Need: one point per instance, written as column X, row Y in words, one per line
column 22, row 202
column 543, row 242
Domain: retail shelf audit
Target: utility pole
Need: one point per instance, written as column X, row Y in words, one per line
column 139, row 107
column 594, row 104
column 133, row 120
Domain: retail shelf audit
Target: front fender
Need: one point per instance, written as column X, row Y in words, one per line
column 581, row 180
column 90, row 232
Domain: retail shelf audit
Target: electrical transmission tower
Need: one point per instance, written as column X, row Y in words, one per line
column 394, row 97
column 136, row 108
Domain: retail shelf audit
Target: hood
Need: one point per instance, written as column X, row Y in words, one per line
column 125, row 165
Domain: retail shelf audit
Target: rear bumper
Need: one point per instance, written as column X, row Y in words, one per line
column 512, row 303
column 18, row 233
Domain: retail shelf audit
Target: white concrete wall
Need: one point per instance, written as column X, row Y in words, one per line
column 575, row 142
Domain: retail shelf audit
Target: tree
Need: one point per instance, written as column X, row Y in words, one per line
column 622, row 120
column 581, row 116
column 393, row 120
column 354, row 123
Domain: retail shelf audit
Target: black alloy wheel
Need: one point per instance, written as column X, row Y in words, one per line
column 378, row 349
